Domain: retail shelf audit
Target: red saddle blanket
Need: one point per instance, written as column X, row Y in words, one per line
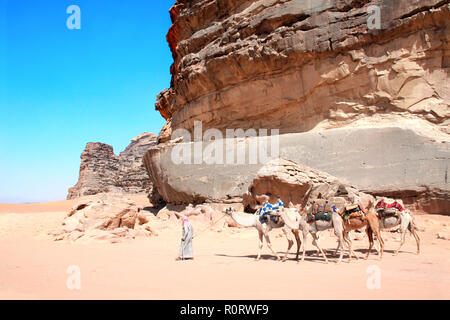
column 383, row 205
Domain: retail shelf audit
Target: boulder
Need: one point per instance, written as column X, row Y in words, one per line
column 442, row 236
column 297, row 185
column 103, row 217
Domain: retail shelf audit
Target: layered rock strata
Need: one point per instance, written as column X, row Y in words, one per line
column 306, row 65
column 369, row 106
column 102, row 171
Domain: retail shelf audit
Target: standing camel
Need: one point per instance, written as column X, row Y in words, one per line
column 406, row 222
column 297, row 221
column 369, row 219
column 252, row 220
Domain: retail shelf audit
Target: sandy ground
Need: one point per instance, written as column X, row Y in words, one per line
column 33, row 266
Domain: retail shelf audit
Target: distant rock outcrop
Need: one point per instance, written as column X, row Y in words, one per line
column 102, row 171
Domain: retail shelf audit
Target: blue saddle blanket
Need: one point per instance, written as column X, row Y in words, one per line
column 267, row 209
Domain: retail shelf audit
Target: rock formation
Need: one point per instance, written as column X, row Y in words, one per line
column 297, row 185
column 103, row 171
column 369, row 106
column 104, row 217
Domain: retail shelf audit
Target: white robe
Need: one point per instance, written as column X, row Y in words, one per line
column 186, row 242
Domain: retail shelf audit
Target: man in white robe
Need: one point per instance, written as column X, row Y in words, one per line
column 187, row 235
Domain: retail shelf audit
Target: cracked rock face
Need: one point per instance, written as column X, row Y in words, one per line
column 102, row 171
column 311, row 68
column 306, row 65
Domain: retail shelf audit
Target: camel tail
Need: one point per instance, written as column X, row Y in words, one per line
column 411, row 227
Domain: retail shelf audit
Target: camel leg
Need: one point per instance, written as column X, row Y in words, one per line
column 377, row 247
column 416, row 236
column 402, row 240
column 297, row 239
column 338, row 245
column 317, row 253
column 403, row 226
column 316, row 243
column 370, row 236
column 380, row 240
column 305, row 235
column 266, row 236
column 337, row 248
column 260, row 234
column 339, row 230
column 353, row 252
column 290, row 244
column 348, row 241
column 341, row 244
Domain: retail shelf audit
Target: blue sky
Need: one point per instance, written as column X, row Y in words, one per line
column 61, row 88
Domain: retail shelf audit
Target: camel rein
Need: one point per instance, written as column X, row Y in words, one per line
column 195, row 236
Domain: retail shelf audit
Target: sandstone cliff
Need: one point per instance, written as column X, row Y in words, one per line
column 370, row 106
column 102, row 171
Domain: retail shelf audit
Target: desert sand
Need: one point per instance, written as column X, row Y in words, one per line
column 34, row 266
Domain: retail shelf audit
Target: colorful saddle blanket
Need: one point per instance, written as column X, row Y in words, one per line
column 267, row 209
column 352, row 211
column 381, row 205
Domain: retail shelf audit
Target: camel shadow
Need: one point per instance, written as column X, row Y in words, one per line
column 250, row 256
column 308, row 257
column 373, row 251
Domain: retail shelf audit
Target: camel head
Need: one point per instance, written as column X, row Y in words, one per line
column 370, row 206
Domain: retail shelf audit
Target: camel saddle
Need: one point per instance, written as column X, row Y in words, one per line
column 269, row 210
column 324, row 216
column 353, row 211
column 274, row 217
column 388, row 209
column 320, row 210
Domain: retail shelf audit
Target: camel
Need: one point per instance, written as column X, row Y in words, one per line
column 406, row 222
column 252, row 220
column 370, row 221
column 297, row 221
